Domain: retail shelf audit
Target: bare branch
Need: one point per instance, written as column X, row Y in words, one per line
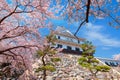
column 79, row 27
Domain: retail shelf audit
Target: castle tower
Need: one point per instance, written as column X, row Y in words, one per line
column 67, row 41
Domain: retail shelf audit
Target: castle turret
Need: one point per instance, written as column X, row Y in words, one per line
column 67, row 41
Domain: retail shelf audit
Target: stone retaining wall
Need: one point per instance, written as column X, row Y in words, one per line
column 69, row 69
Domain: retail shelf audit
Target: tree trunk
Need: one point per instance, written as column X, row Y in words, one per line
column 44, row 75
column 94, row 76
column 44, row 71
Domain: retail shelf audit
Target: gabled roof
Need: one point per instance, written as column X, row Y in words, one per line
column 64, row 32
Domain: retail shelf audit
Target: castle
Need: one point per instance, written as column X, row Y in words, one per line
column 71, row 44
column 68, row 69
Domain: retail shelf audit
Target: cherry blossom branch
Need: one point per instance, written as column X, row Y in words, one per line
column 86, row 19
column 14, row 55
column 9, row 55
column 107, row 14
column 14, row 11
column 24, row 46
column 20, row 56
column 6, row 37
column 8, row 15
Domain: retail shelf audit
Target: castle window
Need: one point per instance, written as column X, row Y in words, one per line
column 58, row 37
column 69, row 48
column 77, row 49
column 78, row 41
column 59, row 46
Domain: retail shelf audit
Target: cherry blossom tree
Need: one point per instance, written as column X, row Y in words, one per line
column 20, row 21
column 86, row 11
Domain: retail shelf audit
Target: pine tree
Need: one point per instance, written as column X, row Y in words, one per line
column 88, row 60
column 47, row 56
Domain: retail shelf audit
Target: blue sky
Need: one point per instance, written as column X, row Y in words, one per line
column 105, row 38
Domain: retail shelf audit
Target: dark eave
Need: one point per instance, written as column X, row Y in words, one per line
column 66, row 51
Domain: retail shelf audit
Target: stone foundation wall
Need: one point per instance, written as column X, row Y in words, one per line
column 69, row 69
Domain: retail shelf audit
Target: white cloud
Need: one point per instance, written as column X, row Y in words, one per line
column 95, row 34
column 105, row 48
column 116, row 56
column 118, row 0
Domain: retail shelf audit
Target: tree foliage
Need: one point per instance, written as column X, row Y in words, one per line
column 20, row 21
column 47, row 56
column 88, row 60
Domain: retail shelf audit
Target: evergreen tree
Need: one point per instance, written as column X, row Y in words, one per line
column 47, row 56
column 88, row 60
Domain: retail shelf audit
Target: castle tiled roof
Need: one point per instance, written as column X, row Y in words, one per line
column 64, row 32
